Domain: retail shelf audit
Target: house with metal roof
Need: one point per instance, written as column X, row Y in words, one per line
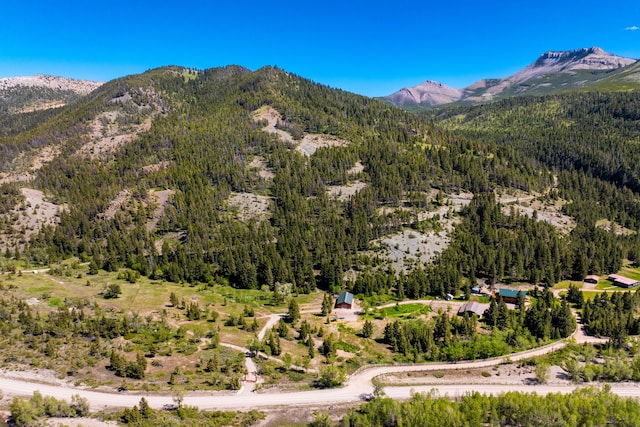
column 622, row 281
column 510, row 295
column 345, row 300
column 472, row 307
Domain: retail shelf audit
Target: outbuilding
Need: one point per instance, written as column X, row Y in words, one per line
column 592, row 278
column 345, row 300
column 622, row 281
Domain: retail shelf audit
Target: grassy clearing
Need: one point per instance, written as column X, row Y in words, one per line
column 566, row 283
column 404, row 311
column 178, row 355
column 630, row 272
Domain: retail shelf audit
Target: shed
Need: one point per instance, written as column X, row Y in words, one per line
column 592, row 278
column 511, row 295
column 625, row 282
column 345, row 300
column 472, row 307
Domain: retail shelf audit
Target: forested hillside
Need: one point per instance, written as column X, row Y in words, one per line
column 201, row 146
column 589, row 141
column 198, row 138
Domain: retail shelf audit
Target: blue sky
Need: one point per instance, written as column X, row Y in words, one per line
column 373, row 48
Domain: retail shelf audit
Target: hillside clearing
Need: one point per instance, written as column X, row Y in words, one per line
column 309, row 143
column 161, row 199
column 250, row 206
column 345, row 192
column 30, row 216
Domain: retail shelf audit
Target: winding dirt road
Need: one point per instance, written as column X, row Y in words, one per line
column 359, row 383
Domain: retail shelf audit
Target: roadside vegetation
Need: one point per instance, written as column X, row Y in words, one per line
column 588, row 406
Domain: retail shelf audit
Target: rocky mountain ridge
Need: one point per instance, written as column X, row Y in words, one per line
column 81, row 87
column 29, row 94
column 429, row 92
column 553, row 70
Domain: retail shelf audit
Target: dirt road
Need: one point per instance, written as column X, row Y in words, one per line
column 357, row 384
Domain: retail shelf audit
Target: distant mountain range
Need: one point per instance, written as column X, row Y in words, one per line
column 552, row 71
column 32, row 93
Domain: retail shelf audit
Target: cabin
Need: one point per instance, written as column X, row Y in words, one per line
column 509, row 295
column 592, row 278
column 472, row 307
column 345, row 300
column 623, row 282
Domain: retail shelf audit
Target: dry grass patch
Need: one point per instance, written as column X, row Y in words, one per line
column 614, row 227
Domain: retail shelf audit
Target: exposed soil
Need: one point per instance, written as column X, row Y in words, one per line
column 162, row 199
column 24, row 168
column 345, row 192
column 309, row 143
column 614, row 227
column 409, row 246
column 116, row 204
column 499, row 374
column 550, row 213
column 31, row 215
column 250, row 206
column 356, row 169
column 107, row 135
column 259, row 164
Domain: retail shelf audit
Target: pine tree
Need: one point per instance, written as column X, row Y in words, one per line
column 293, row 315
column 367, row 329
column 327, row 304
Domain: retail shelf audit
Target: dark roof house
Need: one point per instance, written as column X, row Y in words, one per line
column 472, row 307
column 592, row 278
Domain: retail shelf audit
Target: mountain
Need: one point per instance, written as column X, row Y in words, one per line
column 551, row 72
column 28, row 101
column 429, row 92
column 262, row 177
column 31, row 93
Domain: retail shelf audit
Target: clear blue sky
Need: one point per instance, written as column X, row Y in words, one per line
column 373, row 48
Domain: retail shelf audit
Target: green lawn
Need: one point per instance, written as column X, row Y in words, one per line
column 630, row 272
column 565, row 284
column 608, row 284
column 401, row 311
